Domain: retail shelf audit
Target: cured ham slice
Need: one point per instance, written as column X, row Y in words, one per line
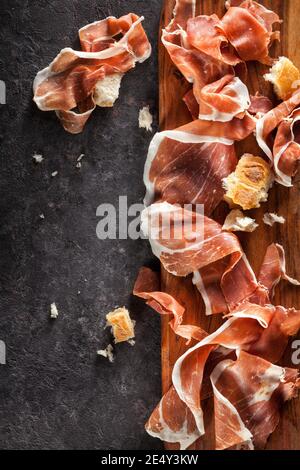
column 242, row 331
column 187, row 242
column 284, row 151
column 224, row 99
column 273, row 269
column 259, row 105
column 183, row 11
column 260, row 330
column 71, row 84
column 249, row 392
column 173, row 422
column 195, row 157
column 147, row 287
column 197, row 67
column 204, row 33
column 249, row 29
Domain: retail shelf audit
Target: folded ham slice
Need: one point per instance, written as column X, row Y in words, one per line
column 71, row 84
column 284, row 150
column 147, row 287
column 248, row 395
column 205, row 34
column 242, row 331
column 195, row 157
column 273, row 269
column 178, row 418
column 187, row 242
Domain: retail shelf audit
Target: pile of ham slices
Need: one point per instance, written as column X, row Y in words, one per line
column 77, row 81
column 236, row 364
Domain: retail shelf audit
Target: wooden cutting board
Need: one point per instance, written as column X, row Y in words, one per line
column 286, row 202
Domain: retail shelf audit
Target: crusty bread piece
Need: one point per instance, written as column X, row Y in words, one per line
column 248, row 186
column 121, row 323
column 285, row 77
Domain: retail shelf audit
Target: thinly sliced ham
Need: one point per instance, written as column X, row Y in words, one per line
column 204, row 33
column 187, row 242
column 284, row 151
column 273, row 269
column 147, row 287
column 248, row 395
column 243, row 331
column 197, row 67
column 259, row 105
column 186, row 165
column 249, row 29
column 224, row 99
column 69, row 84
column 183, row 11
column 173, row 422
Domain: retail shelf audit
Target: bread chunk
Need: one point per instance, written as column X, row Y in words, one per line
column 248, row 186
column 285, row 77
column 122, row 325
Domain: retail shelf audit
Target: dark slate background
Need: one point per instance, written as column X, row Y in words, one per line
column 55, row 393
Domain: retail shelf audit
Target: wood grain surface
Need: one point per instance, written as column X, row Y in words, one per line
column 286, row 202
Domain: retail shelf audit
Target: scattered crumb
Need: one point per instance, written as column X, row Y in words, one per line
column 122, row 325
column 131, row 342
column 107, row 353
column 145, row 119
column 271, row 219
column 37, row 158
column 79, row 164
column 53, row 311
column 55, row 173
column 42, row 216
column 79, row 292
column 236, row 221
column 248, row 186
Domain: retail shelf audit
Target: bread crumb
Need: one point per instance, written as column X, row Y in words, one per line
column 285, row 77
column 55, row 173
column 248, row 186
column 122, row 325
column 131, row 342
column 145, row 119
column 79, row 164
column 37, row 158
column 42, row 216
column 236, row 221
column 107, row 353
column 53, row 311
column 271, row 219
column 107, row 90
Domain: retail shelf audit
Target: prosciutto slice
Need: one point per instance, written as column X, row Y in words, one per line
column 273, row 269
column 284, row 150
column 69, row 84
column 147, row 287
column 205, row 34
column 242, row 331
column 173, row 422
column 219, row 93
column 259, row 330
column 187, row 242
column 249, row 393
column 248, row 26
column 196, row 157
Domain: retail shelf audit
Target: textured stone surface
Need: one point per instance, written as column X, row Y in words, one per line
column 55, row 393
